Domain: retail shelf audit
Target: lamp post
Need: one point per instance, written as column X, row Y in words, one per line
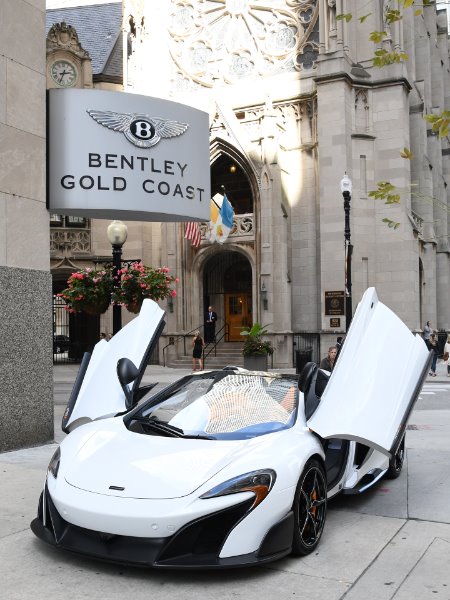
column 117, row 233
column 346, row 189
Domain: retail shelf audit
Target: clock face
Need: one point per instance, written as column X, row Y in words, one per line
column 63, row 73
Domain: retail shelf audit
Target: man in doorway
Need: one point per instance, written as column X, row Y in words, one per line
column 210, row 325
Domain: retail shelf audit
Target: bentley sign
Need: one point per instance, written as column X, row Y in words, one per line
column 118, row 155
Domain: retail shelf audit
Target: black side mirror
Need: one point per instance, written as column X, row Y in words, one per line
column 127, row 372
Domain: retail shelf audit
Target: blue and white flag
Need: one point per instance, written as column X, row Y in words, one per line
column 224, row 223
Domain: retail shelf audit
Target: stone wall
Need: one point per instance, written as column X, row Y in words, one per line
column 26, row 395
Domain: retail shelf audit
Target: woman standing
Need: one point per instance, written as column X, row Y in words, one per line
column 197, row 344
column 432, row 345
column 447, row 354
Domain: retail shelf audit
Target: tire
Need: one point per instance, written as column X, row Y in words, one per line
column 310, row 508
column 396, row 462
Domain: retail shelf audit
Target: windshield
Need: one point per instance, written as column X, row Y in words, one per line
column 222, row 405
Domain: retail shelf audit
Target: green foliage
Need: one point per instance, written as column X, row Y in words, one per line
column 440, row 123
column 390, row 223
column 383, row 58
column 405, row 153
column 384, row 192
column 88, row 287
column 254, row 344
column 138, row 282
column 344, row 17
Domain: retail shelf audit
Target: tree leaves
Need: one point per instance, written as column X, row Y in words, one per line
column 405, row 153
column 440, row 123
column 390, row 223
column 384, row 192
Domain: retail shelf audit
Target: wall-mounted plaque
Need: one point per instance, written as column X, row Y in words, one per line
column 334, row 303
column 335, row 322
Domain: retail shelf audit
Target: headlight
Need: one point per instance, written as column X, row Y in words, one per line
column 53, row 465
column 259, row 482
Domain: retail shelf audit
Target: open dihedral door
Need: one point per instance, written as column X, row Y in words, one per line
column 97, row 391
column 376, row 381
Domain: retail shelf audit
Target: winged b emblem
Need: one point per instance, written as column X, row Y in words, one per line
column 141, row 130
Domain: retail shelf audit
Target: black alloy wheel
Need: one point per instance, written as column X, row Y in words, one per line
column 310, row 508
column 396, row 462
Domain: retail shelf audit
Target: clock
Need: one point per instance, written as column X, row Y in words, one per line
column 64, row 73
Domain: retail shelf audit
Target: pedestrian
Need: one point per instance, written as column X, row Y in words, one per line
column 339, row 343
column 447, row 354
column 210, row 325
column 103, row 336
column 427, row 331
column 432, row 345
column 198, row 344
column 327, row 363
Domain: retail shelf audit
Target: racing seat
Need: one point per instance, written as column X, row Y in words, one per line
column 312, row 382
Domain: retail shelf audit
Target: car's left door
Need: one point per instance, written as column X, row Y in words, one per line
column 97, row 391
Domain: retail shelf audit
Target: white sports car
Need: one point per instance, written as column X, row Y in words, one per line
column 225, row 468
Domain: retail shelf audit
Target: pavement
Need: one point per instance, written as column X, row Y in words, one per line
column 392, row 543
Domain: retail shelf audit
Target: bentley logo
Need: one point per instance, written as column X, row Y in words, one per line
column 141, row 130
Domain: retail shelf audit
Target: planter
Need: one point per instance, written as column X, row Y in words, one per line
column 256, row 362
column 96, row 308
column 134, row 307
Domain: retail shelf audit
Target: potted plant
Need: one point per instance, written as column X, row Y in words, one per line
column 138, row 282
column 255, row 349
column 89, row 291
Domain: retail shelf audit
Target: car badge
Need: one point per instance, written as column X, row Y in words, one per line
column 141, row 130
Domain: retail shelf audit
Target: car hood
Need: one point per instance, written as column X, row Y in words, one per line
column 376, row 381
column 115, row 461
column 97, row 391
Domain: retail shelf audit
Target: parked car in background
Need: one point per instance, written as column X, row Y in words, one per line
column 60, row 344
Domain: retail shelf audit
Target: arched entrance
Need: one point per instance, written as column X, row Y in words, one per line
column 227, row 285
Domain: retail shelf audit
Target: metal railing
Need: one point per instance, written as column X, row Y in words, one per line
column 221, row 334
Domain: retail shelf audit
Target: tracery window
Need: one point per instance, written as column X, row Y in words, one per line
column 227, row 40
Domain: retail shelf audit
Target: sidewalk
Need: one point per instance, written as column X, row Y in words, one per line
column 166, row 375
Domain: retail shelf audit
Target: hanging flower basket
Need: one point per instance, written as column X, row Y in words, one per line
column 91, row 292
column 138, row 282
column 95, row 309
column 134, row 307
column 88, row 291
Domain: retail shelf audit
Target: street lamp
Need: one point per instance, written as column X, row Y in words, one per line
column 117, row 235
column 346, row 189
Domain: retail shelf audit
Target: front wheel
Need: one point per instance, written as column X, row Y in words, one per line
column 310, row 508
column 396, row 462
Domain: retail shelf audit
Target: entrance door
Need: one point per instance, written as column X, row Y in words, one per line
column 238, row 314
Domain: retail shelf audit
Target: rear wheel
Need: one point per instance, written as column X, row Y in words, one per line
column 310, row 508
column 396, row 462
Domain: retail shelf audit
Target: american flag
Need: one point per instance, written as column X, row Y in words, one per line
column 192, row 232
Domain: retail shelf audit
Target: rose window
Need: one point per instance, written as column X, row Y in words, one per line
column 227, row 40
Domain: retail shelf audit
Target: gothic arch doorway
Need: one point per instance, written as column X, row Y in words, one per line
column 227, row 285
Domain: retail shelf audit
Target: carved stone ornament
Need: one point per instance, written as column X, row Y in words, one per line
column 64, row 37
column 228, row 40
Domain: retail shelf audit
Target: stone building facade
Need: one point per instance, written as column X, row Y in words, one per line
column 294, row 103
column 26, row 392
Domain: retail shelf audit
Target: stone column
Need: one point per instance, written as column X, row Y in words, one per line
column 26, row 393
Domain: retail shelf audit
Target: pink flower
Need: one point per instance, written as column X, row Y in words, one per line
column 173, row 293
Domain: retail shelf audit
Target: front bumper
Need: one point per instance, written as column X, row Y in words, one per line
column 197, row 545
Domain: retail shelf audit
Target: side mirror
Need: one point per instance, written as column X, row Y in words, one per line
column 127, row 372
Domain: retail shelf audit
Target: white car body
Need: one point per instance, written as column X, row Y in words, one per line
column 123, row 495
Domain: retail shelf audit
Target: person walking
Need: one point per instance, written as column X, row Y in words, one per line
column 447, row 354
column 427, row 331
column 432, row 345
column 198, row 344
column 327, row 363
